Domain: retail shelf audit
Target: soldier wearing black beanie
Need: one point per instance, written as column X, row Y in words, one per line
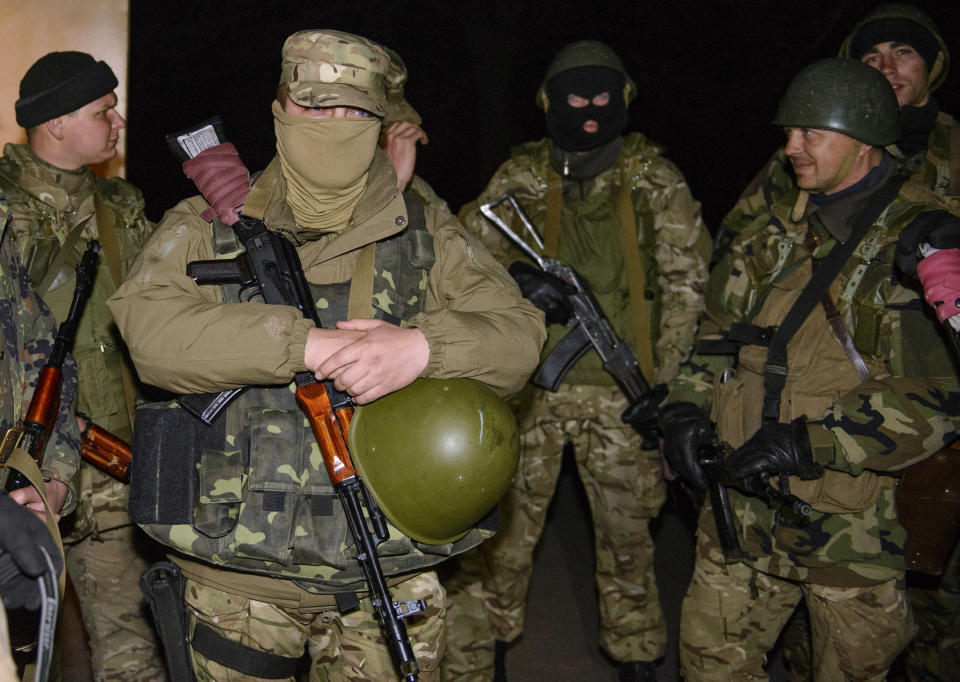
column 61, row 82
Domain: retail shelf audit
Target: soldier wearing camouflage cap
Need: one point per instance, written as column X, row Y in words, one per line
column 866, row 388
column 612, row 206
column 68, row 108
column 403, row 292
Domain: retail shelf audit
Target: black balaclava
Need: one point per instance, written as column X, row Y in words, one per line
column 565, row 123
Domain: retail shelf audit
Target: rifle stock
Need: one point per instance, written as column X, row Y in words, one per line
column 105, row 451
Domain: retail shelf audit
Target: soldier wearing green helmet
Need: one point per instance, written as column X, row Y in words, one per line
column 836, row 402
column 611, row 205
column 905, row 45
column 406, row 296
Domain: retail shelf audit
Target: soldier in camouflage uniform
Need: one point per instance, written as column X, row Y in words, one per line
column 904, row 44
column 622, row 215
column 67, row 106
column 262, row 541
column 27, row 330
column 868, row 389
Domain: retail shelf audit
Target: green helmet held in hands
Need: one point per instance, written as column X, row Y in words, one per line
column 901, row 23
column 586, row 53
column 843, row 95
column 436, row 455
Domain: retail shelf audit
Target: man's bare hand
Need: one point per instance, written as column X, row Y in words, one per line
column 399, row 141
column 30, row 498
column 385, row 359
column 322, row 343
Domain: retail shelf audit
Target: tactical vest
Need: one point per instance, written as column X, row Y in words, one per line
column 883, row 330
column 251, row 492
column 51, row 260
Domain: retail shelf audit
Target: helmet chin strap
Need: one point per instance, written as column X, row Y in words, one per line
column 845, row 167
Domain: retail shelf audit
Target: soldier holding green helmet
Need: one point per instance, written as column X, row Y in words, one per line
column 853, row 403
column 404, row 292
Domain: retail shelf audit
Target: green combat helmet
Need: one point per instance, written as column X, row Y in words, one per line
column 586, row 53
column 398, row 108
column 436, row 455
column 324, row 68
column 842, row 95
column 903, row 23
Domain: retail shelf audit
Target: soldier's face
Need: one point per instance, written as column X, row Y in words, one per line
column 294, row 109
column 91, row 132
column 904, row 68
column 818, row 157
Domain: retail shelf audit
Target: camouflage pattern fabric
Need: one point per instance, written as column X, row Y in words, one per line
column 27, row 330
column 624, row 486
column 471, row 660
column 739, row 613
column 932, row 168
column 858, row 430
column 341, row 646
column 49, row 203
column 335, row 69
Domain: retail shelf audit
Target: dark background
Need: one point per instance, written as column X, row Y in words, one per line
column 709, row 75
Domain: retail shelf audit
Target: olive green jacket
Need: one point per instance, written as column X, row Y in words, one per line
column 183, row 338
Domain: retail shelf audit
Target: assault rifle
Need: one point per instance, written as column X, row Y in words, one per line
column 591, row 329
column 712, row 455
column 32, row 434
column 270, row 267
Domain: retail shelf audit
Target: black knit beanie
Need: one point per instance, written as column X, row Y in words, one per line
column 61, row 82
column 897, row 30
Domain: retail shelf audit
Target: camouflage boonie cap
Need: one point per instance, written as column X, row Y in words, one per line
column 398, row 108
column 325, row 68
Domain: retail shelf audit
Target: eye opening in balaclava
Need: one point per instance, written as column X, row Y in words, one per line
column 565, row 123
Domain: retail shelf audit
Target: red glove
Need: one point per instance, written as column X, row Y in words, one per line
column 222, row 179
column 940, row 275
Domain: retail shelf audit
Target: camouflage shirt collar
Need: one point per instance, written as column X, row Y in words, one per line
column 63, row 190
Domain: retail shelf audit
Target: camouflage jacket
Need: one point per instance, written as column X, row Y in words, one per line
column 673, row 243
column 263, row 500
column 48, row 204
column 936, row 168
column 859, row 430
column 27, row 330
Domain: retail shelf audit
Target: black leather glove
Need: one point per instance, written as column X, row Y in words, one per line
column 685, row 428
column 644, row 416
column 547, row 292
column 939, row 229
column 775, row 449
column 22, row 535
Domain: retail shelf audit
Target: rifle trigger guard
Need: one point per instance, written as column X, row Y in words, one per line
column 405, row 609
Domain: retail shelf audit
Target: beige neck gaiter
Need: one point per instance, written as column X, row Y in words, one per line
column 325, row 164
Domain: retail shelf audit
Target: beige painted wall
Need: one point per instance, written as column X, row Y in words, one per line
column 31, row 28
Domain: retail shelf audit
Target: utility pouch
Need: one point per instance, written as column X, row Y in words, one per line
column 165, row 447
column 162, row 585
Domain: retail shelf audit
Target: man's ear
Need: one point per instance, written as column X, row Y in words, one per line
column 54, row 127
column 546, row 101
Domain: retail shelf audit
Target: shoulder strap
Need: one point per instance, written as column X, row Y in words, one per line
column 636, row 276
column 775, row 370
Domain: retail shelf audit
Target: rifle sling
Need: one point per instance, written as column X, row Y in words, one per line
column 775, row 370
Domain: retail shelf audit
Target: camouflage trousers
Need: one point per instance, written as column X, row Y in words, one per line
column 625, row 489
column 105, row 568
column 732, row 615
column 341, row 646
